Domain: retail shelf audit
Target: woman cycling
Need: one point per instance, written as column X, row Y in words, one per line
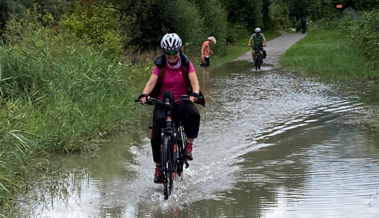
column 173, row 72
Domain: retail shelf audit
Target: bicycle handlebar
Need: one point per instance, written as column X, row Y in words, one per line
column 153, row 101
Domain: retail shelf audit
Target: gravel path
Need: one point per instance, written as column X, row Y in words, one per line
column 275, row 48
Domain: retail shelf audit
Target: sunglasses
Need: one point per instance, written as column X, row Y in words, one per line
column 171, row 52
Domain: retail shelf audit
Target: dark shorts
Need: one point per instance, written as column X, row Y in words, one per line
column 258, row 48
column 205, row 63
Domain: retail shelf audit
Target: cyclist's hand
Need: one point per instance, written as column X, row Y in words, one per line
column 143, row 98
column 249, row 45
column 210, row 52
column 194, row 96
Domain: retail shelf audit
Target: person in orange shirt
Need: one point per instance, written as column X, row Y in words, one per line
column 205, row 52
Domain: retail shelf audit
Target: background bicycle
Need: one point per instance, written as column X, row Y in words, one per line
column 258, row 58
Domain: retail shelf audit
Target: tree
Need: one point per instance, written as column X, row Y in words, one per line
column 247, row 13
column 183, row 18
column 279, row 14
column 96, row 22
column 215, row 20
column 299, row 8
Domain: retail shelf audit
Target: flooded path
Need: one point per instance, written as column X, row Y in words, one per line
column 270, row 145
column 275, row 48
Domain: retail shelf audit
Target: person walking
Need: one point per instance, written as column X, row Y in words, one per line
column 205, row 54
column 303, row 25
column 173, row 72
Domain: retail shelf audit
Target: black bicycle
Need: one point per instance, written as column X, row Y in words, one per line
column 173, row 141
column 258, row 58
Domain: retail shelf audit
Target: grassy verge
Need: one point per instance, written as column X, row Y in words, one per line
column 330, row 56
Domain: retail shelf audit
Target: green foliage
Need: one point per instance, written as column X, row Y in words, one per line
column 183, row 18
column 236, row 32
column 215, row 22
column 8, row 7
column 299, row 8
column 361, row 27
column 364, row 5
column 56, row 7
column 18, row 8
column 279, row 14
column 321, row 8
column 97, row 23
column 247, row 13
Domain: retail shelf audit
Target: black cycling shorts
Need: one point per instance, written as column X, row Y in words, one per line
column 205, row 63
column 258, row 48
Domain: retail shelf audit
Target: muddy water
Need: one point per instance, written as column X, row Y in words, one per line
column 270, row 145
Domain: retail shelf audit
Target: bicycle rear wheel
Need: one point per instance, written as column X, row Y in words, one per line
column 168, row 166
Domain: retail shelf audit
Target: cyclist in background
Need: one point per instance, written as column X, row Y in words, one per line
column 173, row 72
column 259, row 41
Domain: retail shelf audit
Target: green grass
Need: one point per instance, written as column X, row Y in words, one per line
column 330, row 56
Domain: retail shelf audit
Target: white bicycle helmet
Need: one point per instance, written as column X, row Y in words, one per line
column 257, row 30
column 171, row 42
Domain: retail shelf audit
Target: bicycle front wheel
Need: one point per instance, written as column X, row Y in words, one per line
column 257, row 63
column 181, row 144
column 168, row 166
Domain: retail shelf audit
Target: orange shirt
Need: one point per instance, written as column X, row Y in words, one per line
column 205, row 49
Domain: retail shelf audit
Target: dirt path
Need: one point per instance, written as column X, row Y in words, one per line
column 275, row 48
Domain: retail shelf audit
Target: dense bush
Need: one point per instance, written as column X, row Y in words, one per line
column 215, row 19
column 183, row 18
column 279, row 14
column 363, row 28
column 97, row 23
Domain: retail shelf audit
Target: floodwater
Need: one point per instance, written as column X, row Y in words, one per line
column 270, row 145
